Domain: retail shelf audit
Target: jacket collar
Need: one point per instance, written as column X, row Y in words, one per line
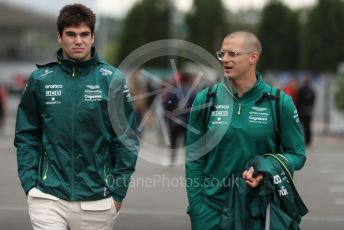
column 253, row 91
column 76, row 67
column 257, row 87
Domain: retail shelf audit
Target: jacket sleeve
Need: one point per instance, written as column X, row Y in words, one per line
column 125, row 140
column 28, row 136
column 292, row 139
column 195, row 161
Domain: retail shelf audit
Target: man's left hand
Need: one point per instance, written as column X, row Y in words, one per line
column 250, row 180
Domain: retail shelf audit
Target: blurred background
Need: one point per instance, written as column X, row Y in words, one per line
column 303, row 54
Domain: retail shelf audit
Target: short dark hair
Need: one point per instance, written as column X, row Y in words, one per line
column 74, row 15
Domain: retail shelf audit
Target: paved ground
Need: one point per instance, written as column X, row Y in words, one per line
column 162, row 205
column 321, row 184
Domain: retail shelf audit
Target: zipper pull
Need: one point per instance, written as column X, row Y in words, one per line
column 46, row 169
column 239, row 110
column 73, row 74
column 45, row 173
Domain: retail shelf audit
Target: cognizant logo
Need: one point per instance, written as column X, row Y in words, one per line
column 258, row 118
column 93, row 97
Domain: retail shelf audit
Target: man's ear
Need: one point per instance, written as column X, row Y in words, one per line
column 59, row 37
column 254, row 57
column 92, row 38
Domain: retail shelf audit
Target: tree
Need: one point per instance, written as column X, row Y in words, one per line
column 206, row 24
column 339, row 95
column 147, row 21
column 278, row 31
column 322, row 40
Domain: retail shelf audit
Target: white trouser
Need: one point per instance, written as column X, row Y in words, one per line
column 48, row 212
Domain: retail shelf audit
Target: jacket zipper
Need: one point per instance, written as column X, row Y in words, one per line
column 106, row 169
column 239, row 109
column 239, row 104
column 105, row 175
column 73, row 73
column 73, row 136
column 45, row 175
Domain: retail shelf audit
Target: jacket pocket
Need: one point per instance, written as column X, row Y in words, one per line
column 97, row 205
column 34, row 192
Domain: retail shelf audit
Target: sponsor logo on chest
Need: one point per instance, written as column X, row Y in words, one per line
column 105, row 72
column 53, row 94
column 296, row 116
column 93, row 93
column 258, row 115
column 126, row 92
column 46, row 72
column 220, row 115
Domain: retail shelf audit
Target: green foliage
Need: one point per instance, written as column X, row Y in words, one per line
column 147, row 21
column 322, row 43
column 278, row 31
column 109, row 51
column 207, row 24
column 287, row 45
column 339, row 95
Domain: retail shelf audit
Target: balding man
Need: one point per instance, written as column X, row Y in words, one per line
column 240, row 125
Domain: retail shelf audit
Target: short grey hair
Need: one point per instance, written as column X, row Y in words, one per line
column 251, row 41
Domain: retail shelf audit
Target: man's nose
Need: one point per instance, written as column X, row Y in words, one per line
column 226, row 58
column 78, row 39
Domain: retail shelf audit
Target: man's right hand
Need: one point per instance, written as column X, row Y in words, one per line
column 252, row 181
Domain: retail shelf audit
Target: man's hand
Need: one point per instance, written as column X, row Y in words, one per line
column 250, row 180
column 118, row 205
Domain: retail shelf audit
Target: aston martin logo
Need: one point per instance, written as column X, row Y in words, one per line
column 259, row 109
column 93, row 87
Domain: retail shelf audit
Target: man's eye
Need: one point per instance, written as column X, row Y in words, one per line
column 231, row 53
column 85, row 34
column 70, row 34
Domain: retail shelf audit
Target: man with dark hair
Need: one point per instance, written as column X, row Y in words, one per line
column 73, row 166
column 73, row 16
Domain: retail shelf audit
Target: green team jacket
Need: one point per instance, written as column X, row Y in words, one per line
column 65, row 144
column 275, row 204
column 237, row 130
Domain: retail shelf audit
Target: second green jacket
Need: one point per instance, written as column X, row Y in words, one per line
column 274, row 205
